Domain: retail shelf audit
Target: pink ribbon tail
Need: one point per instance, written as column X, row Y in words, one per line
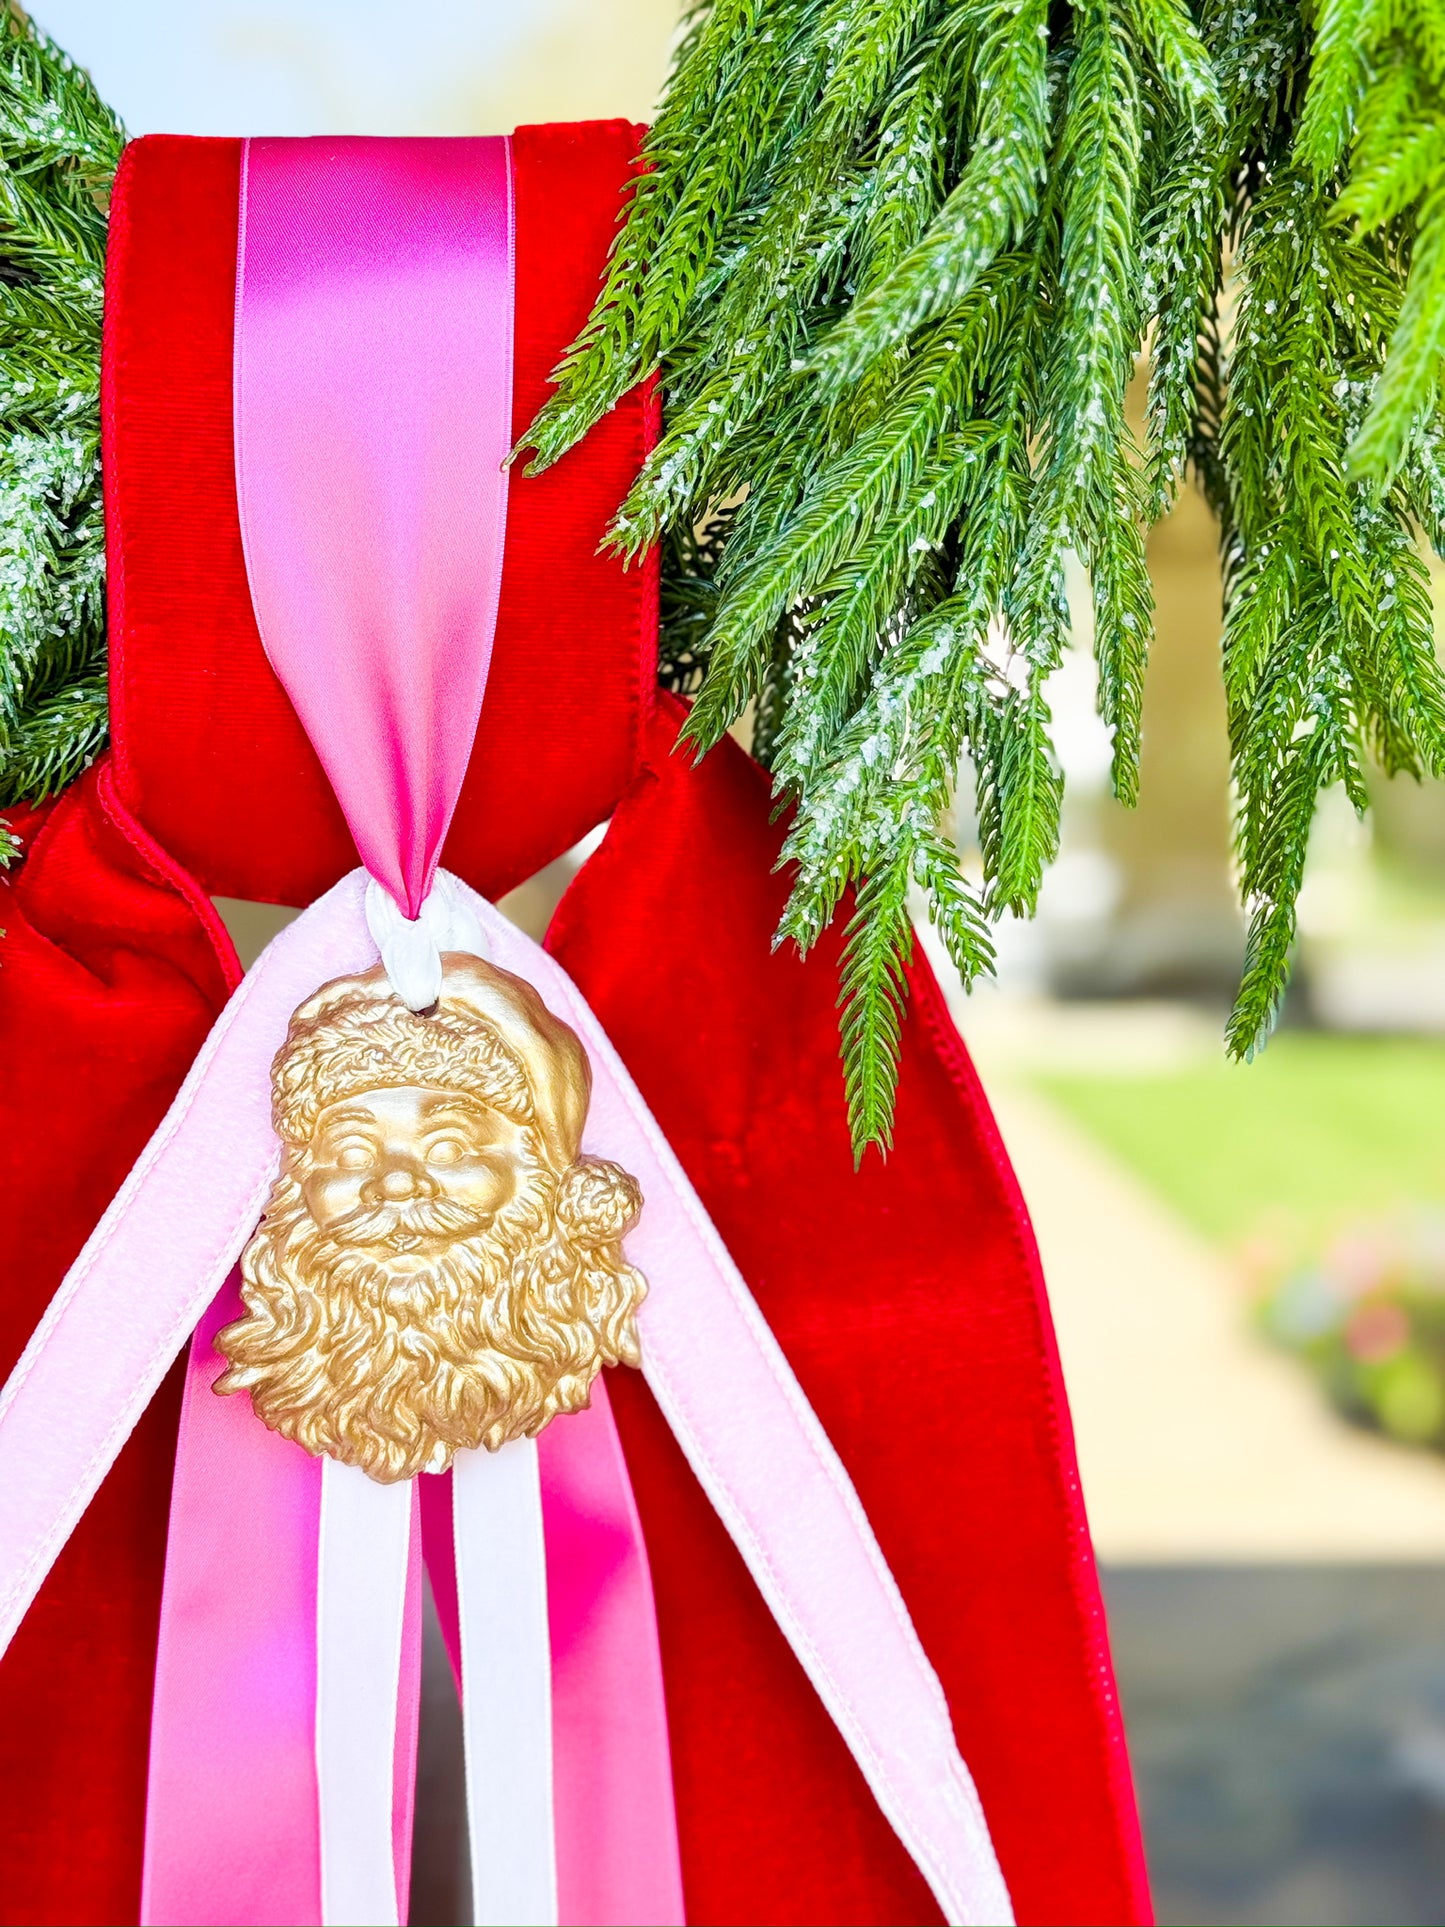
column 617, row 1858
column 231, row 1833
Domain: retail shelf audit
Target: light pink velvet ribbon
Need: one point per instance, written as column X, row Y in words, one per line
column 727, row 1391
column 157, row 1261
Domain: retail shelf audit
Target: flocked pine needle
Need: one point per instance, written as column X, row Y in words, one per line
column 898, row 261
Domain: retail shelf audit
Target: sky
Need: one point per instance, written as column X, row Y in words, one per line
column 363, row 66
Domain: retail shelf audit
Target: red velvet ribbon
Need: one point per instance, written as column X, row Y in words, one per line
column 911, row 1287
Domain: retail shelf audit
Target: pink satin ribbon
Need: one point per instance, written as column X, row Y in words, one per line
column 373, row 408
column 373, row 416
column 613, row 1775
column 617, row 1859
column 231, row 1810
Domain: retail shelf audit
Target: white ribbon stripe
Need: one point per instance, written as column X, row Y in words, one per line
column 506, row 1684
column 361, row 1582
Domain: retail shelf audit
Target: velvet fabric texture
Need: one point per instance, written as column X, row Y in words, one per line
column 907, row 1296
column 209, row 754
column 112, row 969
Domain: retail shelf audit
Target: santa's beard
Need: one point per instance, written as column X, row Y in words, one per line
column 392, row 1363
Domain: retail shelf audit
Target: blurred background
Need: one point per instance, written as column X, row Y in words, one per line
column 1247, row 1264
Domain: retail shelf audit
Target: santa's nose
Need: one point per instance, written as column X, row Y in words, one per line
column 398, row 1183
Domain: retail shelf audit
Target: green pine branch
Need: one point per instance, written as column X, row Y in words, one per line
column 1377, row 106
column 59, row 146
column 895, row 355
column 897, row 261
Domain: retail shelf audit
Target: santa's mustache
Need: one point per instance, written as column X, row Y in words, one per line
column 395, row 1222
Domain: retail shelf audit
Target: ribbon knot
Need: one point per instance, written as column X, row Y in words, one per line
column 411, row 947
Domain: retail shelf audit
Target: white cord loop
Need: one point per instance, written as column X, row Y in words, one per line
column 411, row 948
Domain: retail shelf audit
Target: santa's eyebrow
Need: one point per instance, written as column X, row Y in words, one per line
column 454, row 1104
column 349, row 1117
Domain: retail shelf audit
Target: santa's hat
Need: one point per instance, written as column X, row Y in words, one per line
column 489, row 1036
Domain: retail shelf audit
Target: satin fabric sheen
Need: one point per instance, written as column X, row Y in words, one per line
column 373, row 392
column 209, row 753
column 611, row 1760
column 612, row 1771
column 373, row 412
column 237, row 1659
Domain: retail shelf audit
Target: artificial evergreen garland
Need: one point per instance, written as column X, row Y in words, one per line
column 896, row 260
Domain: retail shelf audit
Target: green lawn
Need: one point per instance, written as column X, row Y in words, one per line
column 1319, row 1128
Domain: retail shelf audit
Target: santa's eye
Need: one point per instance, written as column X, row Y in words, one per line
column 354, row 1156
column 446, row 1150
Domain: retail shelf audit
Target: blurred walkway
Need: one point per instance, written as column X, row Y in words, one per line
column 1196, row 1442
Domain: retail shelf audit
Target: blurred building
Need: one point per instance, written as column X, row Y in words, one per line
column 366, row 66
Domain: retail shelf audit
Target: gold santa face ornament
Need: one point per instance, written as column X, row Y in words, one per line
column 438, row 1265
